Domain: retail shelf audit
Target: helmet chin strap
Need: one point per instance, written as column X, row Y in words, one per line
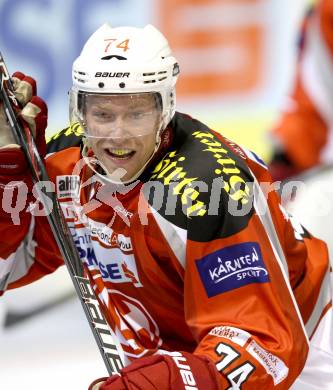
column 115, row 177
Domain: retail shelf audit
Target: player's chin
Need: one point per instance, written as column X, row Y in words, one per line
column 129, row 168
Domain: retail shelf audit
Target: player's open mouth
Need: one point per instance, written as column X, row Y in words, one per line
column 122, row 153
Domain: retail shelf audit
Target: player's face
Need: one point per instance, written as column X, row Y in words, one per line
column 122, row 130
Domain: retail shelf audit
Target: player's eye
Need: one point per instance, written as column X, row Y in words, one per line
column 136, row 115
column 103, row 115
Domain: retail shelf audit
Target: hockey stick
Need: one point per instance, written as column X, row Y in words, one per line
column 106, row 340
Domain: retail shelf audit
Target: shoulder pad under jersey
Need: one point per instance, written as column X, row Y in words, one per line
column 202, row 183
column 66, row 138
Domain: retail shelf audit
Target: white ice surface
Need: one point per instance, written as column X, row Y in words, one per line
column 54, row 350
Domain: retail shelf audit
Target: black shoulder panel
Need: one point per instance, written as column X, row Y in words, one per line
column 66, row 138
column 201, row 184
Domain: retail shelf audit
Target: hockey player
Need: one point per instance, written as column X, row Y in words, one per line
column 204, row 278
column 308, row 114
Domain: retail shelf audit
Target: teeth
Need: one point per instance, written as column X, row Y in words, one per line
column 120, row 152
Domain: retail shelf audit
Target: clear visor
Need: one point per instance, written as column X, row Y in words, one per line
column 117, row 115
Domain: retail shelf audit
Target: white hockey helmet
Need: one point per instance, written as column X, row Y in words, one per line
column 126, row 60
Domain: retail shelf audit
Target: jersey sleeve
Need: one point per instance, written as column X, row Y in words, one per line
column 28, row 250
column 241, row 269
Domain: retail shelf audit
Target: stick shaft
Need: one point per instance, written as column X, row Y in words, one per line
column 108, row 345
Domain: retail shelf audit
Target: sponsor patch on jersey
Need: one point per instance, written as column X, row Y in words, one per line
column 110, row 252
column 232, row 267
column 273, row 365
column 68, row 186
column 236, row 335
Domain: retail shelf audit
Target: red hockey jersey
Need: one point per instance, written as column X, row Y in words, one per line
column 197, row 256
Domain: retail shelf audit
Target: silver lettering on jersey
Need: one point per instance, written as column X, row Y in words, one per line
column 104, row 334
column 68, row 186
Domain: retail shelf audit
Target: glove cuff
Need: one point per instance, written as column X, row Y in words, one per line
column 12, row 163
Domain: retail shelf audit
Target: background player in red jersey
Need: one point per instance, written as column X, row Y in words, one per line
column 304, row 135
column 205, row 279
